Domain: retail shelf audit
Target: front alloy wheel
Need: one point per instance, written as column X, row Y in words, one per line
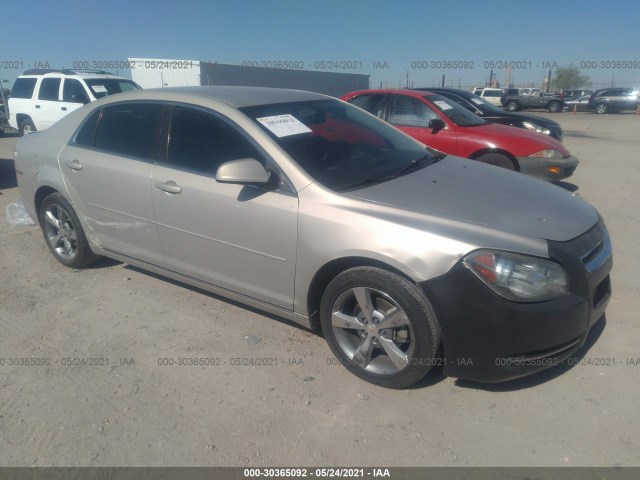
column 380, row 326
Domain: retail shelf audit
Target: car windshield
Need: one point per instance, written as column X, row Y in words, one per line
column 483, row 105
column 340, row 145
column 456, row 113
column 101, row 87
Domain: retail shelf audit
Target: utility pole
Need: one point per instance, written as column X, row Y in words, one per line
column 443, row 80
column 407, row 78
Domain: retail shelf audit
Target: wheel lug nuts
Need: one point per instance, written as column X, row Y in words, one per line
column 383, row 332
column 365, row 321
column 376, row 320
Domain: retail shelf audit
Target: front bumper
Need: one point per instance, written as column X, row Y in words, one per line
column 490, row 339
column 544, row 168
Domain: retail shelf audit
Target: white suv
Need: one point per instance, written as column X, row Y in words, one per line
column 41, row 97
column 490, row 94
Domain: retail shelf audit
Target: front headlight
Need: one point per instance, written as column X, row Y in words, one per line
column 536, row 128
column 516, row 277
column 552, row 153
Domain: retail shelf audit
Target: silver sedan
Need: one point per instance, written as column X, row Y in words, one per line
column 312, row 209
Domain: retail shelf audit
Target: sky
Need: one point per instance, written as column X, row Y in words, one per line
column 392, row 41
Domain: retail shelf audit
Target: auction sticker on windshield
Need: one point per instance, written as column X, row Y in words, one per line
column 284, row 125
column 443, row 105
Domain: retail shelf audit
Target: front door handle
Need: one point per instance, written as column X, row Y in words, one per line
column 74, row 165
column 169, row 187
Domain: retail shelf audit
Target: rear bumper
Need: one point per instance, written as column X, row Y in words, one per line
column 490, row 339
column 544, row 168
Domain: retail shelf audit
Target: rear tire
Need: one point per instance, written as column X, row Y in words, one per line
column 554, row 107
column 602, row 108
column 63, row 233
column 497, row 159
column 380, row 326
column 27, row 127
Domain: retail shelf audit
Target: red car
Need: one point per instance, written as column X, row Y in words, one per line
column 441, row 123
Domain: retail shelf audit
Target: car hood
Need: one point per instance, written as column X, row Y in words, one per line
column 550, row 124
column 521, row 142
column 472, row 192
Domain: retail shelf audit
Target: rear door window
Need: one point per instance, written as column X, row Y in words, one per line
column 130, row 129
column 373, row 104
column 49, row 89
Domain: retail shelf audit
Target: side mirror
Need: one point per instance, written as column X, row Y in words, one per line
column 436, row 124
column 245, row 171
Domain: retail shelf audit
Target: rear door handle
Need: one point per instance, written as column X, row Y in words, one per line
column 74, row 165
column 169, row 187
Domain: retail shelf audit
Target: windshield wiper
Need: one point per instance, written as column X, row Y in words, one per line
column 433, row 156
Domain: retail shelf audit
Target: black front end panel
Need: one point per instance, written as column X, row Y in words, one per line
column 491, row 339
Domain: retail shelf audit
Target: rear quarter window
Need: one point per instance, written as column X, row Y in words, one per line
column 87, row 131
column 23, row 88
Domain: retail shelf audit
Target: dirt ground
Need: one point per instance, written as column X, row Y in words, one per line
column 122, row 405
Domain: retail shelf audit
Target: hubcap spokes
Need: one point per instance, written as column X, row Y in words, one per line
column 373, row 330
column 60, row 232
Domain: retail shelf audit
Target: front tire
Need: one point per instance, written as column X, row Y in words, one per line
column 513, row 106
column 380, row 326
column 63, row 233
column 27, row 127
column 602, row 108
column 497, row 159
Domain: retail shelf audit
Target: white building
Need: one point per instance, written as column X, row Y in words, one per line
column 159, row 73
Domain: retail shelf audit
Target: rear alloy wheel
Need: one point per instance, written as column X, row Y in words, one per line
column 380, row 326
column 63, row 232
column 554, row 107
column 497, row 159
column 513, row 106
column 602, row 108
column 27, row 127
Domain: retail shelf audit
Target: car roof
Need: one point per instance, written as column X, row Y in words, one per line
column 457, row 91
column 87, row 74
column 235, row 96
column 404, row 91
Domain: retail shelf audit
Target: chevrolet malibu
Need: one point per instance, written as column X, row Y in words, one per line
column 442, row 123
column 312, row 209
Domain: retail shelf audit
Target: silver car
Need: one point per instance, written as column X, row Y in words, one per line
column 312, row 209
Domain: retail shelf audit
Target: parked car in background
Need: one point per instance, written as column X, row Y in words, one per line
column 514, row 99
column 611, row 100
column 4, row 122
column 443, row 124
column 491, row 95
column 339, row 220
column 491, row 113
column 580, row 104
column 41, row 97
column 574, row 94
